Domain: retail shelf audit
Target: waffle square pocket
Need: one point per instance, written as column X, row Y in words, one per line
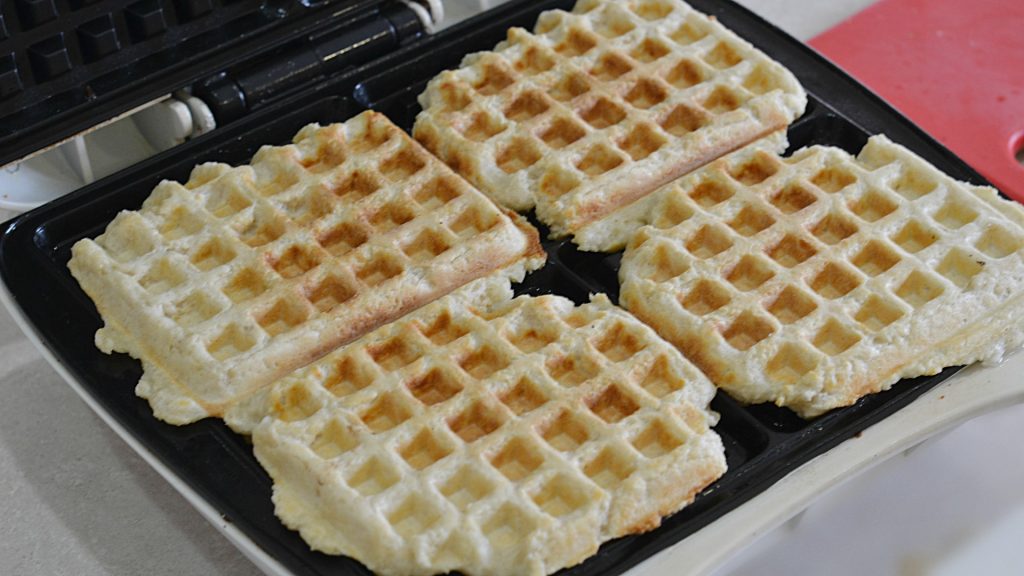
column 489, row 435
column 243, row 274
column 827, row 277
column 598, row 107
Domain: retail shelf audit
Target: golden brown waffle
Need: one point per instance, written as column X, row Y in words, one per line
column 813, row 280
column 599, row 107
column 242, row 275
column 490, row 436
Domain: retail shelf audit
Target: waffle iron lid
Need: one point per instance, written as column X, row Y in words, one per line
column 67, row 66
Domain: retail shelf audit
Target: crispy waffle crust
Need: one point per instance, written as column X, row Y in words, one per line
column 813, row 280
column 490, row 436
column 599, row 107
column 242, row 275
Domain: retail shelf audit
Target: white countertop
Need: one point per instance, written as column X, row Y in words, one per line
column 77, row 500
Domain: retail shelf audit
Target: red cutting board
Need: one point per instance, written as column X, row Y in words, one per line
column 955, row 67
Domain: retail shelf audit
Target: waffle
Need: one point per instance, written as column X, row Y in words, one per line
column 242, row 275
column 814, row 280
column 612, row 232
column 601, row 106
column 490, row 436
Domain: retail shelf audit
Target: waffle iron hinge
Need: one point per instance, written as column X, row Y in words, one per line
column 233, row 93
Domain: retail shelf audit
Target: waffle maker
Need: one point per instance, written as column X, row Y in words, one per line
column 265, row 68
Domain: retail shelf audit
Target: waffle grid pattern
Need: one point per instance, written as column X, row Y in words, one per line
column 267, row 262
column 791, row 279
column 602, row 105
column 510, row 440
